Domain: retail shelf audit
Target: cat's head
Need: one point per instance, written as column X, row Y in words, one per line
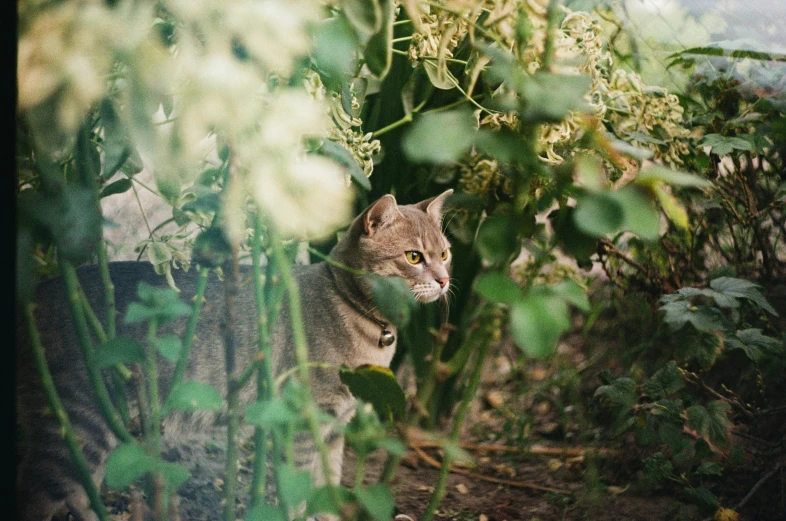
column 404, row 241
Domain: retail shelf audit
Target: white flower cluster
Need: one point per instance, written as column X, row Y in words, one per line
column 228, row 67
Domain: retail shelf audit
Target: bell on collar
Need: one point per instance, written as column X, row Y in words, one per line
column 387, row 338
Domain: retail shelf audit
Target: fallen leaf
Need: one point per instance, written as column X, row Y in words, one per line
column 462, row 488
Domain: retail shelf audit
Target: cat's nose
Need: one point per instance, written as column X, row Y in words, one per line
column 443, row 282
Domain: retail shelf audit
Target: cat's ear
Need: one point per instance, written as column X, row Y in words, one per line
column 380, row 214
column 433, row 206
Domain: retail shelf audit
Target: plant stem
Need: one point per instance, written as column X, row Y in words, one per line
column 335, row 263
column 486, row 333
column 188, row 336
column 384, row 130
column 233, row 390
column 82, row 469
column 153, row 433
column 360, row 470
column 301, row 353
column 71, row 282
column 109, row 289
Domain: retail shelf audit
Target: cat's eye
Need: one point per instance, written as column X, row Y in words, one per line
column 444, row 255
column 414, row 257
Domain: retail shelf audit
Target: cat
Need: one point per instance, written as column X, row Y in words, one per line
column 342, row 326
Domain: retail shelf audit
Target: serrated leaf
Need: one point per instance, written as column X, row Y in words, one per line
column 536, row 323
column 497, row 287
column 740, row 288
column 378, row 386
column 753, row 343
column 169, row 347
column 377, row 500
column 127, row 463
column 428, row 141
column 119, row 350
column 711, row 422
column 294, row 485
column 621, row 391
column 681, row 312
column 193, row 396
column 657, row 468
column 666, row 381
column 725, row 145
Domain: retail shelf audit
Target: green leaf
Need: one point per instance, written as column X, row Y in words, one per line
column 379, row 50
column 377, row 500
column 712, row 422
column 294, row 485
column 504, row 146
column 441, row 137
column 193, row 396
column 572, row 293
column 639, row 214
column 657, row 468
column 211, row 248
column 710, row 468
column 126, row 464
column 119, row 350
column 621, row 391
column 335, row 50
column 440, row 78
column 169, row 346
column 378, row 386
column 724, row 145
column 270, row 413
column 598, row 214
column 321, row 500
column 551, row 97
column 753, row 343
column 158, row 253
column 497, row 240
column 342, row 156
column 117, row 148
column 572, row 240
column 704, row 499
column 740, row 288
column 393, row 298
column 536, row 323
column 264, row 512
column 681, row 312
column 653, row 174
column 708, row 345
column 117, row 187
column 496, row 287
column 174, row 474
column 666, row 381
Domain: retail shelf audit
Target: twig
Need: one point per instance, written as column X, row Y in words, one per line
column 518, row 484
column 540, row 450
column 756, row 487
column 611, row 249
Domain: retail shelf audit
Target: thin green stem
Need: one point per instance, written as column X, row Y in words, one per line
column 71, row 282
column 401, row 122
column 153, row 433
column 82, row 468
column 301, row 353
column 233, row 390
column 109, row 289
column 402, row 39
column 188, row 336
column 142, row 211
column 486, row 331
column 335, row 263
column 281, row 378
column 482, row 30
column 360, row 470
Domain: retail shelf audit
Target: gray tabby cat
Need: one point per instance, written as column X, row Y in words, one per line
column 341, row 322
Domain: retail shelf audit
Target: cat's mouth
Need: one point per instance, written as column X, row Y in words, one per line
column 428, row 294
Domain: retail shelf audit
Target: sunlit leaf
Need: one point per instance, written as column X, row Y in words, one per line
column 378, row 386
column 428, row 141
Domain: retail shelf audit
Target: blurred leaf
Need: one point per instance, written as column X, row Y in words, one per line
column 621, row 391
column 158, row 253
column 740, row 288
column 377, row 500
column 365, row 15
column 704, row 499
column 640, row 216
column 393, row 298
column 264, row 512
column 497, row 241
column 672, row 207
column 379, row 50
column 87, row 161
column 117, row 147
column 293, row 485
column 193, row 396
column 270, row 413
column 174, row 474
column 653, row 174
column 504, row 146
column 551, row 97
column 657, row 468
column 118, row 187
column 572, row 240
column 710, row 468
column 707, row 347
column 211, row 248
column 163, row 304
column 571, row 293
column 440, row 138
column 119, row 350
column 169, row 347
column 321, row 500
column 335, row 50
column 598, row 214
column 536, row 323
column 378, row 386
column 127, row 463
column 497, row 287
column 342, row 156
